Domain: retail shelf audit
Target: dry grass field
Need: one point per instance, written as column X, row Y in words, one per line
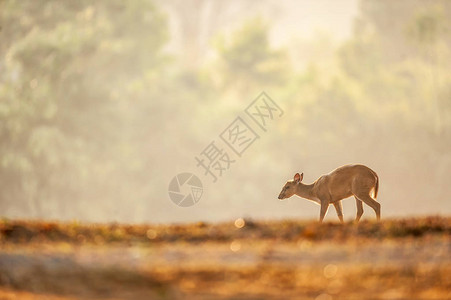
column 245, row 259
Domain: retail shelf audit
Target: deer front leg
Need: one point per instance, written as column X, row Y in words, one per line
column 339, row 209
column 324, row 207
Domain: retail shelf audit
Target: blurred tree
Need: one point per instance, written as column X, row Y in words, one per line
column 431, row 33
column 401, row 67
column 378, row 17
column 402, row 61
column 195, row 22
column 67, row 70
column 248, row 59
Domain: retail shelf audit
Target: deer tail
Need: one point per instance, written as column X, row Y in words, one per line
column 376, row 187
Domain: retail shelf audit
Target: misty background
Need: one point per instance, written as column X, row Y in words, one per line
column 103, row 103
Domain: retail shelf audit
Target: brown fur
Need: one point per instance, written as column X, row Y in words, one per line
column 346, row 181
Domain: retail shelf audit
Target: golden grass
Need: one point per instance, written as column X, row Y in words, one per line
column 393, row 259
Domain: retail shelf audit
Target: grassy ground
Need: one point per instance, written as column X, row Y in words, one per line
column 245, row 259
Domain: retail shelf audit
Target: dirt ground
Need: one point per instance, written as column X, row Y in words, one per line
column 245, row 259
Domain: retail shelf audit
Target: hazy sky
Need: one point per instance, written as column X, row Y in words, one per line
column 290, row 21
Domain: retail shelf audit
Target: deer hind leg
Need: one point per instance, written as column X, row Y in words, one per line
column 339, row 209
column 324, row 208
column 359, row 209
column 365, row 197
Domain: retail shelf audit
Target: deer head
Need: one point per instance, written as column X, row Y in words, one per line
column 289, row 189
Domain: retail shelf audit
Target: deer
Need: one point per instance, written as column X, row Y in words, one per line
column 346, row 181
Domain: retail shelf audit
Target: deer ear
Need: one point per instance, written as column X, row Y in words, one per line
column 297, row 178
column 302, row 177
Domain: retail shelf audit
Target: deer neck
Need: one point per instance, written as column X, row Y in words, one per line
column 306, row 191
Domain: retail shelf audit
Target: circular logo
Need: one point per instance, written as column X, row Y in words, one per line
column 185, row 189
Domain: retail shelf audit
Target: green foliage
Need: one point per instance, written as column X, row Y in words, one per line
column 67, row 68
column 249, row 60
